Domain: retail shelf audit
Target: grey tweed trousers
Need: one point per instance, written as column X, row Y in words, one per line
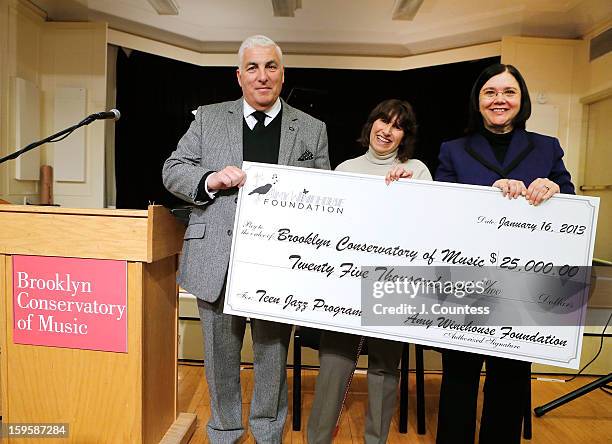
column 223, row 336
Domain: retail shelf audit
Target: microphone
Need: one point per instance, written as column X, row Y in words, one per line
column 112, row 114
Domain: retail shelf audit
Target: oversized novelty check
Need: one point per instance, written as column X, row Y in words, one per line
column 443, row 265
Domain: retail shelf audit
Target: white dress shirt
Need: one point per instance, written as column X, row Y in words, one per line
column 271, row 113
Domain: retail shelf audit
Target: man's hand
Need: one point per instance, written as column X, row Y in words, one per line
column 228, row 177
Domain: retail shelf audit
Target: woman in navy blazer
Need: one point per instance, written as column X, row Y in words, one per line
column 497, row 151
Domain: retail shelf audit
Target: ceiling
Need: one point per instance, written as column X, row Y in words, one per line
column 358, row 27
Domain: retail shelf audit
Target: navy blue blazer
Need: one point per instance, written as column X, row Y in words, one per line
column 470, row 160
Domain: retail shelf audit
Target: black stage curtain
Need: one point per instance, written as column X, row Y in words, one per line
column 156, row 96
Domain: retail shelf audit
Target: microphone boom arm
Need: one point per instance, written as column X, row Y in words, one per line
column 53, row 138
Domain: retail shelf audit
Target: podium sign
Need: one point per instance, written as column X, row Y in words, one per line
column 71, row 303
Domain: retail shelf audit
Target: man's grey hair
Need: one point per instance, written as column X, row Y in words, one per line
column 258, row 40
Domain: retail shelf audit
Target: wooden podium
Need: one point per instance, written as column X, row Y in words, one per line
column 105, row 397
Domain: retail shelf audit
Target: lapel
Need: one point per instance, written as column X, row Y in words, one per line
column 520, row 146
column 289, row 130
column 235, row 116
column 480, row 149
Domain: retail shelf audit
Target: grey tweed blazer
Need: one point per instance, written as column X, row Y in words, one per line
column 212, row 142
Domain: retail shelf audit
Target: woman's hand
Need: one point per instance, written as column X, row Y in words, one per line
column 397, row 172
column 511, row 188
column 540, row 190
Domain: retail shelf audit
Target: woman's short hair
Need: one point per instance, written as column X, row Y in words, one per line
column 475, row 122
column 387, row 110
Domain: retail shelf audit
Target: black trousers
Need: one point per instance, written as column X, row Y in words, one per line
column 505, row 392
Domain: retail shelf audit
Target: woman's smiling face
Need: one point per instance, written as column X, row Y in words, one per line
column 386, row 135
column 500, row 102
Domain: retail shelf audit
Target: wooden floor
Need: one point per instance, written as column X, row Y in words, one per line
column 585, row 420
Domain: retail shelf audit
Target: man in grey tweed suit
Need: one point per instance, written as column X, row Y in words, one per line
column 205, row 170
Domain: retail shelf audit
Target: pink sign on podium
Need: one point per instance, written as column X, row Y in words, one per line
column 72, row 303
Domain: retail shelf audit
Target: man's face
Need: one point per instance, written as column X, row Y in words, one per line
column 260, row 76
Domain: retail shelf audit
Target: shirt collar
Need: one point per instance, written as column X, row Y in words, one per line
column 271, row 112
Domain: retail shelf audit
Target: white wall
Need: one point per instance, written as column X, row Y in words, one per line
column 20, row 37
column 74, row 55
column 52, row 56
